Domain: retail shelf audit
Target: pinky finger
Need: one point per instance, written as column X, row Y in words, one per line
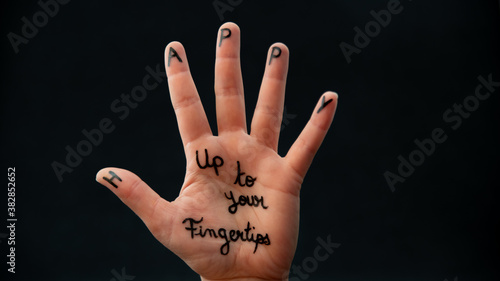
column 303, row 150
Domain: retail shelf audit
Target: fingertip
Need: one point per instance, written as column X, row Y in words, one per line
column 228, row 41
column 174, row 44
column 100, row 173
column 175, row 55
column 327, row 101
column 97, row 175
column 332, row 94
column 110, row 176
column 104, row 170
column 231, row 25
column 278, row 52
column 277, row 62
column 284, row 48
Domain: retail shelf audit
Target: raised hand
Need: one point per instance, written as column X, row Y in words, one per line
column 237, row 214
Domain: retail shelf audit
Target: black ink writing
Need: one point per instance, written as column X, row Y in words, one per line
column 222, row 36
column 324, row 104
column 232, row 235
column 275, row 54
column 113, row 176
column 253, row 201
column 249, row 181
column 217, row 162
column 173, row 53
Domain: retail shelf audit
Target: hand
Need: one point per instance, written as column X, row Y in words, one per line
column 237, row 214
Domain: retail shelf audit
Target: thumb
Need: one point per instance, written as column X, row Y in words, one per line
column 137, row 195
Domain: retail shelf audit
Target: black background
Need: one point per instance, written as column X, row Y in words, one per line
column 442, row 222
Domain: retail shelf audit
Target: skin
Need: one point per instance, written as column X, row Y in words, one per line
column 278, row 180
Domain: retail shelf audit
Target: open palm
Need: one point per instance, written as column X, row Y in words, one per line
column 237, row 214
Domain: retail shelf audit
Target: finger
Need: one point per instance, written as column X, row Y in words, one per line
column 266, row 123
column 138, row 196
column 230, row 101
column 191, row 117
column 302, row 152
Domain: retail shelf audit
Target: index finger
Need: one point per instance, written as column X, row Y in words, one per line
column 191, row 117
